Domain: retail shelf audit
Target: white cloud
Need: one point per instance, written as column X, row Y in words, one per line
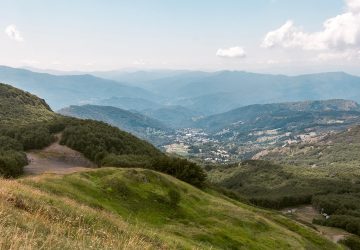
column 13, row 33
column 233, row 52
column 353, row 6
column 341, row 32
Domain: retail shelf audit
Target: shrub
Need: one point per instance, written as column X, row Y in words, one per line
column 12, row 163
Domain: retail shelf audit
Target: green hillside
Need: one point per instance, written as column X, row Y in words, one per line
column 325, row 174
column 133, row 208
column 287, row 116
column 340, row 150
column 333, row 190
column 103, row 144
column 19, row 107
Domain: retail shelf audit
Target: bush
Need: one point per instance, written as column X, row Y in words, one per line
column 12, row 163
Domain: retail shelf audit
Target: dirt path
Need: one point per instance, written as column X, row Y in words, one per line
column 306, row 214
column 56, row 159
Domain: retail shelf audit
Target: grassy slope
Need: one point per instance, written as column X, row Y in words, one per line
column 20, row 108
column 84, row 208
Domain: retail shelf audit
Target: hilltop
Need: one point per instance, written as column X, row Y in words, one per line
column 134, row 208
column 19, row 106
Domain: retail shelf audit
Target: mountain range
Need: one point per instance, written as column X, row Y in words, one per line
column 203, row 92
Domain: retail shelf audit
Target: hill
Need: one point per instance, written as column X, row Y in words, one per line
column 338, row 150
column 64, row 90
column 133, row 208
column 331, row 190
column 135, row 123
column 16, row 104
column 99, row 142
column 278, row 115
column 324, row 173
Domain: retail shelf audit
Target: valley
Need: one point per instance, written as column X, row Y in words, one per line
column 236, row 167
column 180, row 125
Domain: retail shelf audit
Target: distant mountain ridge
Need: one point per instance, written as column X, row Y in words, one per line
column 64, row 90
column 217, row 92
column 203, row 92
column 265, row 113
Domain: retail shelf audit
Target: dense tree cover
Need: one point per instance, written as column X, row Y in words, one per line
column 15, row 139
column 97, row 140
column 351, row 242
column 108, row 146
column 344, row 210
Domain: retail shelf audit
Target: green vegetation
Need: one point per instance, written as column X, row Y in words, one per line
column 109, row 146
column 103, row 144
column 276, row 186
column 336, row 157
column 22, row 126
column 351, row 242
column 97, row 139
column 172, row 214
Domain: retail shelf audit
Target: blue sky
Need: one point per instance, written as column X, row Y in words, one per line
column 182, row 34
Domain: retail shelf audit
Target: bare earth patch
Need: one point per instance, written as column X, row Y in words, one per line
column 306, row 214
column 57, row 159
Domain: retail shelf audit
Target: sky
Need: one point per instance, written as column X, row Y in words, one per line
column 270, row 36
